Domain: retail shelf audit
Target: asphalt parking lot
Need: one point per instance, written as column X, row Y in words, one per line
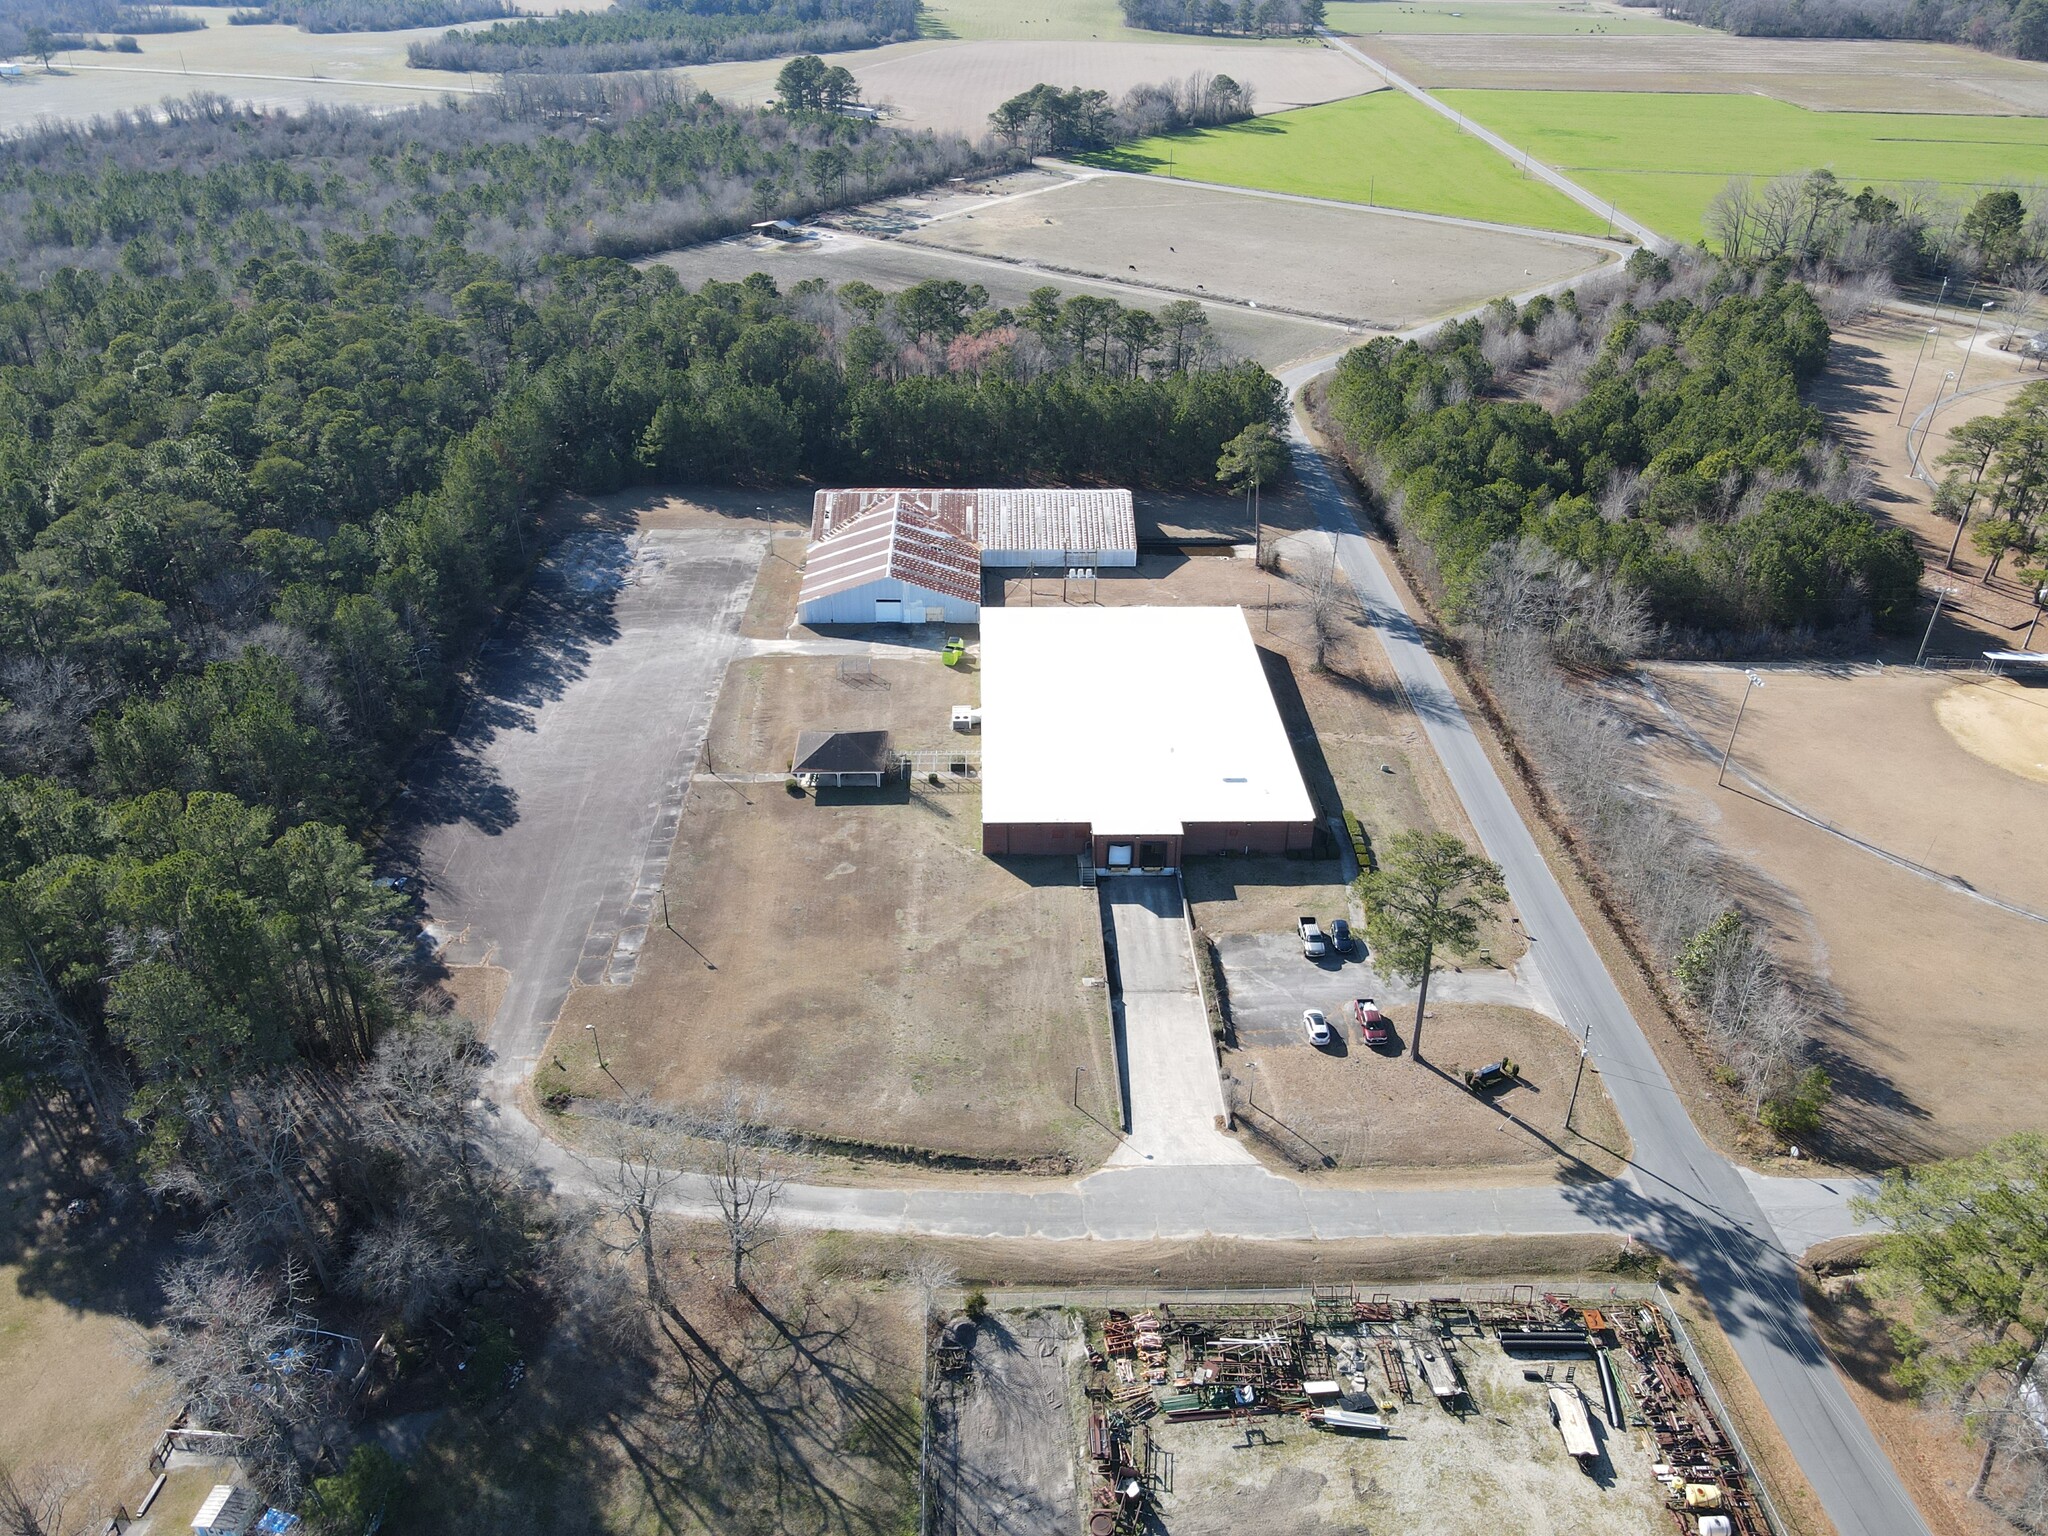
column 541, row 829
column 1270, row 981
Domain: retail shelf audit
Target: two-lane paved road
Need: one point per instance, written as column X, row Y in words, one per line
column 1696, row 1206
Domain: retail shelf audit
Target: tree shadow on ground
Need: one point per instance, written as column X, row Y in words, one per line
column 773, row 1409
column 543, row 646
column 77, row 1227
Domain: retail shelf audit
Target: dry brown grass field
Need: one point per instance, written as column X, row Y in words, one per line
column 1939, row 1013
column 852, row 953
column 952, row 86
column 275, row 67
column 1374, row 270
column 1383, row 1113
column 1822, row 74
column 1861, row 393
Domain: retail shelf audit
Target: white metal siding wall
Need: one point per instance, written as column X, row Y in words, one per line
column 1053, row 559
column 856, row 605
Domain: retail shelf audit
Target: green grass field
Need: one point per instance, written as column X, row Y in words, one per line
column 1384, row 148
column 1662, row 156
column 1363, row 18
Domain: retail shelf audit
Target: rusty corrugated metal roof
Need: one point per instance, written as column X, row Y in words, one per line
column 893, row 541
column 1080, row 522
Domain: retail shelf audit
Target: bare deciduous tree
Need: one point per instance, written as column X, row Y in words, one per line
column 928, row 1274
column 746, row 1151
column 230, row 1349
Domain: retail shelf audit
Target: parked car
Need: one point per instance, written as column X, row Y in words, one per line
column 1340, row 936
column 1313, row 945
column 1317, row 1026
column 1373, row 1027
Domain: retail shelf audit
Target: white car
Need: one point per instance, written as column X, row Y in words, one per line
column 1317, row 1026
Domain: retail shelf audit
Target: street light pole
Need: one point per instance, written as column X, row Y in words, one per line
column 1924, row 340
column 1976, row 320
column 598, row 1046
column 1729, row 750
column 1939, row 594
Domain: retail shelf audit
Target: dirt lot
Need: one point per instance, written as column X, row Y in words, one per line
column 839, row 257
column 1926, row 1443
column 1369, row 269
column 1939, row 1004
column 1825, row 75
column 1004, row 1430
column 859, row 936
column 1501, row 1467
column 1869, row 369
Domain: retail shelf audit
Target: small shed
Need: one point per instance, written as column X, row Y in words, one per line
column 228, row 1511
column 844, row 759
column 779, row 229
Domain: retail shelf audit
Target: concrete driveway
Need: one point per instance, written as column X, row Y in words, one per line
column 541, row 831
column 1170, row 1075
column 1270, row 982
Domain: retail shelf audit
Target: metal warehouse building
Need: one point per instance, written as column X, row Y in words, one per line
column 916, row 557
column 1142, row 735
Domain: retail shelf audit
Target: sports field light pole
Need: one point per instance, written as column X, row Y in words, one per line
column 1975, row 321
column 1932, row 331
column 1729, row 750
column 1940, row 593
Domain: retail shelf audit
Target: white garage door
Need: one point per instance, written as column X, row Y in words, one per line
column 889, row 610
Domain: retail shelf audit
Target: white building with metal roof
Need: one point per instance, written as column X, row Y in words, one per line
column 915, row 556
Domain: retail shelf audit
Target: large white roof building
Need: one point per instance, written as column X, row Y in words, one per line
column 1144, row 734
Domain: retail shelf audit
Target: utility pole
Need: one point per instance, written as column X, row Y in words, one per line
column 1924, row 340
column 1939, row 594
column 1585, row 1045
column 1729, row 750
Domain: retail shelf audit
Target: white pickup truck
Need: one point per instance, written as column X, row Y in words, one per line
column 1313, row 945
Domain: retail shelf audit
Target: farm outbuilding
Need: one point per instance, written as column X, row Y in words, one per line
column 1138, row 735
column 843, row 759
column 891, row 565
column 924, row 551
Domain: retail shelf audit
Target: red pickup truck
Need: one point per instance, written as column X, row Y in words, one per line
column 1373, row 1027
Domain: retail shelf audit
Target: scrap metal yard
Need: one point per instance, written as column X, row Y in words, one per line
column 1509, row 1409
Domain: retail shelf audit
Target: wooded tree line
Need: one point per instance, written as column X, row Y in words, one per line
column 1238, row 18
column 1999, row 26
column 37, row 28
column 1679, row 460
column 371, row 15
column 1899, row 233
column 661, row 34
column 621, row 166
column 1047, row 118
